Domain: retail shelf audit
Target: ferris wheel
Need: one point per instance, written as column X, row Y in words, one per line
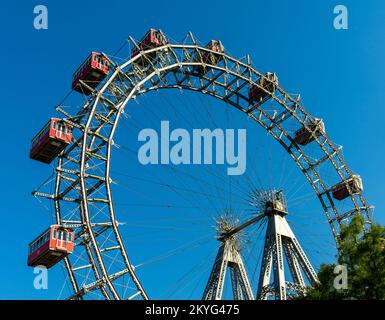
column 97, row 243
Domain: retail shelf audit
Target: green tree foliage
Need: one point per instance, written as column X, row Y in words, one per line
column 363, row 254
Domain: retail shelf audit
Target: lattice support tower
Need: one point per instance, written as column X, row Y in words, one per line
column 281, row 243
column 228, row 259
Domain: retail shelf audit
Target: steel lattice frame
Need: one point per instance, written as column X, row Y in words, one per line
column 228, row 257
column 78, row 182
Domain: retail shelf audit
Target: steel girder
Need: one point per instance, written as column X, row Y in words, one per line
column 280, row 241
column 228, row 257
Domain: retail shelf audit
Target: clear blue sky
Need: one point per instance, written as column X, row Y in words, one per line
column 340, row 75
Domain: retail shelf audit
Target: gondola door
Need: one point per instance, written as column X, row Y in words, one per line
column 61, row 241
column 60, row 130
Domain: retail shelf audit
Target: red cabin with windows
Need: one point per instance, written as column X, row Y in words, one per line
column 51, row 140
column 210, row 57
column 307, row 134
column 341, row 190
column 153, row 39
column 51, row 246
column 269, row 82
column 92, row 72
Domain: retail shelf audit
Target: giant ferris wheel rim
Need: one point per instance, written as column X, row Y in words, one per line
column 232, row 68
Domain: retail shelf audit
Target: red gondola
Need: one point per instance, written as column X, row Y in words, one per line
column 51, row 246
column 51, row 140
column 307, row 134
column 153, row 39
column 341, row 190
column 269, row 82
column 92, row 72
column 209, row 57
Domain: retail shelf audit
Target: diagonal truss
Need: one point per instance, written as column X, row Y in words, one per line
column 280, row 243
column 228, row 257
